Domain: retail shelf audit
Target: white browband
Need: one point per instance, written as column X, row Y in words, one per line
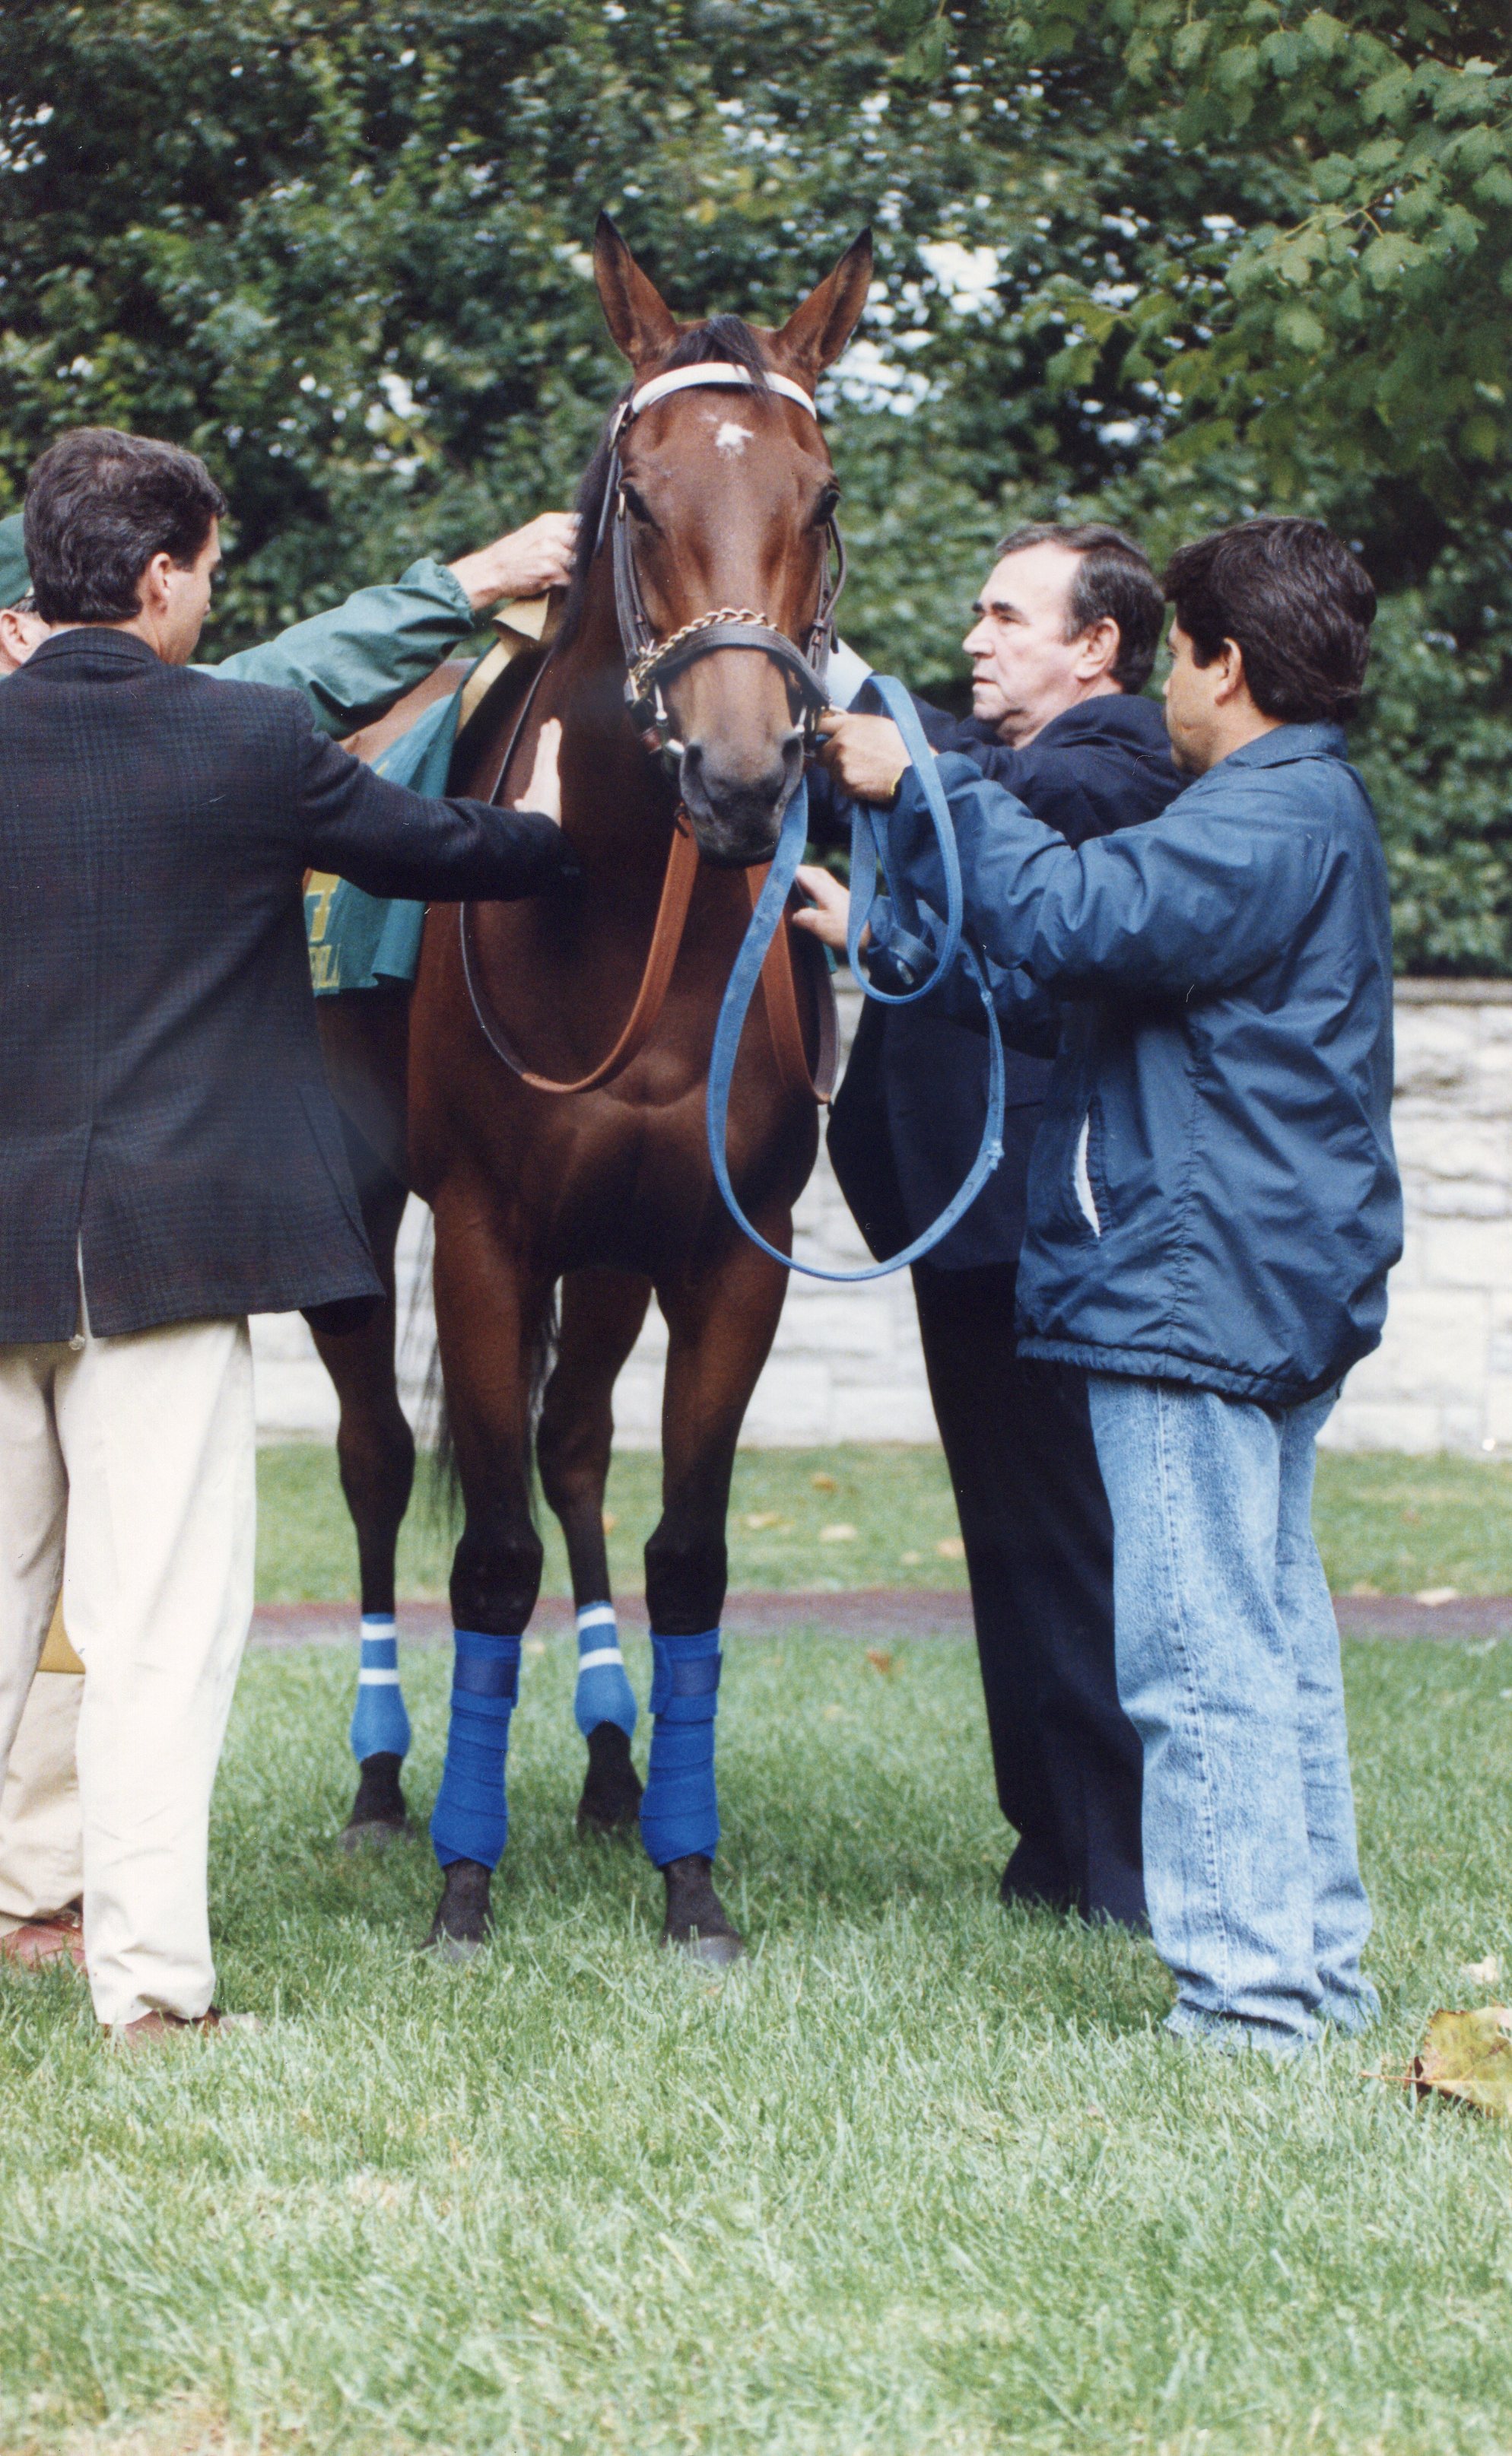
column 715, row 371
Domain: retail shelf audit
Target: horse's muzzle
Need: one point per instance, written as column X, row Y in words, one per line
column 735, row 802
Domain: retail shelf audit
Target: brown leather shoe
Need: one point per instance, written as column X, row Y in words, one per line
column 151, row 2029
column 57, row 1937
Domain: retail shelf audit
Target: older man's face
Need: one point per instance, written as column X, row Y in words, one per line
column 1024, row 669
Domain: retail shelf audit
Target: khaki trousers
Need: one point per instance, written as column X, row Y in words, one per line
column 41, row 1833
column 145, row 1446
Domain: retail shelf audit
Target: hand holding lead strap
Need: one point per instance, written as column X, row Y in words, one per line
column 923, row 948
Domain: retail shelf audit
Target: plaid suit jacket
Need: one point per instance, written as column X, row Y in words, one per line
column 164, row 1114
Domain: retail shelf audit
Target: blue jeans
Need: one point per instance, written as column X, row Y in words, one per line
column 1228, row 1666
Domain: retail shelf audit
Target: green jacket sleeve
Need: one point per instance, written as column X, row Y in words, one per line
column 352, row 663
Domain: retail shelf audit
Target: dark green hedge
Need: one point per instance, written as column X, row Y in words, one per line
column 337, row 246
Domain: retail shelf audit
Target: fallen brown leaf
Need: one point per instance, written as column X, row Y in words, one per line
column 882, row 1659
column 1467, row 2056
column 822, row 1482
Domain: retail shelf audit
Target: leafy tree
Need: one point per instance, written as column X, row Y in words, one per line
column 1395, row 125
column 1128, row 261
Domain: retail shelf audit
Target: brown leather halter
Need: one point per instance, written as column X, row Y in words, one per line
column 646, row 663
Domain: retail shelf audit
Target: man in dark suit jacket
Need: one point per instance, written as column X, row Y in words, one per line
column 170, row 1156
column 1064, row 644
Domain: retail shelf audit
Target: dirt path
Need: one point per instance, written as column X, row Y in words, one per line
column 871, row 1612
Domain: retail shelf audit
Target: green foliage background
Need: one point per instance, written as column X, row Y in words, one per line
column 1244, row 255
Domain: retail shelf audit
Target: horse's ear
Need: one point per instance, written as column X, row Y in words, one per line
column 638, row 315
column 816, row 332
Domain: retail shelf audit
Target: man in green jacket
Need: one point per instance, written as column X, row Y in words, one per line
column 349, row 664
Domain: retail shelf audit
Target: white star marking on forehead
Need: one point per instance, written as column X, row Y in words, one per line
column 731, row 437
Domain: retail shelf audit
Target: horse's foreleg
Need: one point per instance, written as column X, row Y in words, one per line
column 375, row 1451
column 489, row 1315
column 602, row 1313
column 721, row 1323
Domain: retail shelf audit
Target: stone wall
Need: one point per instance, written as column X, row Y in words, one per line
column 847, row 1363
column 1442, row 1376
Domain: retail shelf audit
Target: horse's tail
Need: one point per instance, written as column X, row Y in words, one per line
column 542, row 1359
column 446, row 1485
column 445, row 1488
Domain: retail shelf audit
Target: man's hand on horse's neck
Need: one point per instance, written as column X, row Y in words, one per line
column 524, row 564
column 542, row 791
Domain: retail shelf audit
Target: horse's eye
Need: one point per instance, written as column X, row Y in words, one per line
column 827, row 506
column 636, row 501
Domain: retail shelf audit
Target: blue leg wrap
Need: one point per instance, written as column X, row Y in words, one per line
column 604, row 1693
column 679, row 1809
column 470, row 1819
column 379, row 1724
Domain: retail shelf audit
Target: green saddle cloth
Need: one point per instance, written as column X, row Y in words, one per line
column 356, row 941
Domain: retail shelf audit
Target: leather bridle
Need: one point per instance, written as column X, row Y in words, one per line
column 650, row 663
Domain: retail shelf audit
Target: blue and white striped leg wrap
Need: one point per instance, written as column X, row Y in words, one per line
column 680, row 1809
column 470, row 1819
column 379, row 1724
column 603, row 1692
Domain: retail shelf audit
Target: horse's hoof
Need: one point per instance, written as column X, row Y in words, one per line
column 378, row 1815
column 455, row 1951
column 697, row 1922
column 463, row 1920
column 376, row 1835
column 716, row 1952
column 611, row 1788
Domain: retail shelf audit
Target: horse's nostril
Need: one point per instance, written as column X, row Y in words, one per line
column 741, row 782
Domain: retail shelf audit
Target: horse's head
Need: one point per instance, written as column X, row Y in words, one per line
column 726, row 497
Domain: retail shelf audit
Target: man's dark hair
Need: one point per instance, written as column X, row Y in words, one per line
column 99, row 505
column 1114, row 581
column 1295, row 601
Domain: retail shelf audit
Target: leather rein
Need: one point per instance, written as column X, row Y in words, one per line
column 649, row 664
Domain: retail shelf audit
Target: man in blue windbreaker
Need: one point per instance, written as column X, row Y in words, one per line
column 1214, row 1207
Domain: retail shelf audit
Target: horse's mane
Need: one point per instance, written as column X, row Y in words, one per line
column 723, row 339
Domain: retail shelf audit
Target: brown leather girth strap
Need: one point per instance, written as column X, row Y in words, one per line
column 666, row 937
column 780, row 994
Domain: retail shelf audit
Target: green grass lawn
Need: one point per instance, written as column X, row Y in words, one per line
column 921, row 2177
column 883, row 1517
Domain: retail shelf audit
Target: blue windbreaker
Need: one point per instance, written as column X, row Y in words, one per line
column 1214, row 1195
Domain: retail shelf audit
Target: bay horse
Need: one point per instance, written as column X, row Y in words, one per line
column 706, row 525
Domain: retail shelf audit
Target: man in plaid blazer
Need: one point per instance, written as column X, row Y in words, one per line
column 170, row 1158
column 350, row 663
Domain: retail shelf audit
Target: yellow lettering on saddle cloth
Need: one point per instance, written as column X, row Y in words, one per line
column 325, row 962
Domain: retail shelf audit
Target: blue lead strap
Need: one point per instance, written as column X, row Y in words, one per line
column 868, row 846
column 867, row 849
